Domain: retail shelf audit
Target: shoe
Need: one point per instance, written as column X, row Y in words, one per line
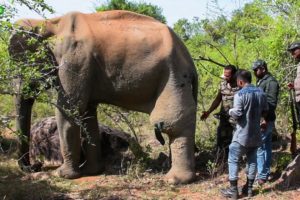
column 231, row 192
column 272, row 177
column 261, row 182
column 247, row 190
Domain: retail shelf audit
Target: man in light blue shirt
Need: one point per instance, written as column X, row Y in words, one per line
column 250, row 104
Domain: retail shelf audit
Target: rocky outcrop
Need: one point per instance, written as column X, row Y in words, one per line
column 290, row 177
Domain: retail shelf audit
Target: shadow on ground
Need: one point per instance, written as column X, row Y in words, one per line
column 15, row 185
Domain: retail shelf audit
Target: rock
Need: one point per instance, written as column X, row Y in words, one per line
column 290, row 177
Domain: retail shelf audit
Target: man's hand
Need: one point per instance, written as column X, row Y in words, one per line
column 204, row 115
column 263, row 125
column 290, row 86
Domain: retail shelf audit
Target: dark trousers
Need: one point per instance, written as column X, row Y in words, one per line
column 224, row 136
column 298, row 111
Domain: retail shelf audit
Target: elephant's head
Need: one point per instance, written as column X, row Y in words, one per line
column 23, row 46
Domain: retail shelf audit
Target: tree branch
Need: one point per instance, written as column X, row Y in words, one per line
column 209, row 60
column 219, row 51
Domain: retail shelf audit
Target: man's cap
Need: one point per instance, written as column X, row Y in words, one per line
column 294, row 46
column 259, row 63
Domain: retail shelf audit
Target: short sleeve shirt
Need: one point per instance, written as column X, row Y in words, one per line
column 227, row 90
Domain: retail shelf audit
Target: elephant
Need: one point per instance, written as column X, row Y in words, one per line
column 119, row 58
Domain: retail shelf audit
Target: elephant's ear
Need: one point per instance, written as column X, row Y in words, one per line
column 16, row 45
column 21, row 41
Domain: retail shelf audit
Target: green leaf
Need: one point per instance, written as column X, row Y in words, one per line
column 2, row 9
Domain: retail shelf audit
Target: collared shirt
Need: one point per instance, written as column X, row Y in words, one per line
column 271, row 88
column 297, row 84
column 249, row 104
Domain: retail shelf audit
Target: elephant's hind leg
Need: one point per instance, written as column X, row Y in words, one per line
column 182, row 152
column 176, row 108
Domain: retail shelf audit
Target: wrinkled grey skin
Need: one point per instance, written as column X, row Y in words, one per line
column 118, row 58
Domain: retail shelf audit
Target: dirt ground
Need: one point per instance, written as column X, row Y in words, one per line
column 152, row 187
column 132, row 185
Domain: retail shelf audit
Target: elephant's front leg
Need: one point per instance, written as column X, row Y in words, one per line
column 70, row 144
column 92, row 143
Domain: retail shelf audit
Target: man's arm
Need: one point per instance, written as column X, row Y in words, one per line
column 272, row 94
column 213, row 106
column 264, row 113
column 237, row 111
column 272, row 90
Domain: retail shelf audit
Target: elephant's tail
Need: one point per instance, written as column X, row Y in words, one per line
column 195, row 86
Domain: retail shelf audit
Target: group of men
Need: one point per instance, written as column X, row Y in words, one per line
column 247, row 119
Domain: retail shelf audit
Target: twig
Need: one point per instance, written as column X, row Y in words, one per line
column 125, row 119
column 209, row 71
column 210, row 60
column 218, row 51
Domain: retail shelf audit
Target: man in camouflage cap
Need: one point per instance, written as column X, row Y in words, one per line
column 227, row 89
column 270, row 86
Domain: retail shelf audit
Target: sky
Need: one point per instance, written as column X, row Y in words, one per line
column 172, row 9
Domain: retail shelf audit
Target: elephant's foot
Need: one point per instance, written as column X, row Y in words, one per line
column 91, row 169
column 68, row 172
column 179, row 176
column 24, row 163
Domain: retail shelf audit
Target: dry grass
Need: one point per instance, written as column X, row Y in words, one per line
column 14, row 184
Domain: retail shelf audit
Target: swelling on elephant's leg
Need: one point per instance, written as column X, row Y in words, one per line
column 69, row 136
column 183, row 161
column 92, row 144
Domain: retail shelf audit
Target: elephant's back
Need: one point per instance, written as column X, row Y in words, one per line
column 114, row 32
column 120, row 15
column 106, row 22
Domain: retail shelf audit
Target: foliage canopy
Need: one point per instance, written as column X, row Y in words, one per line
column 141, row 8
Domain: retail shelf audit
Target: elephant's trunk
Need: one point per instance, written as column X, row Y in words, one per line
column 18, row 45
column 23, row 105
column 23, row 121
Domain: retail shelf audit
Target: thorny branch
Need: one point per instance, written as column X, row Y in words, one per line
column 36, row 6
column 125, row 119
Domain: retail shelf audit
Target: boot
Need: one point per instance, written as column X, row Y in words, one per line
column 247, row 188
column 232, row 191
